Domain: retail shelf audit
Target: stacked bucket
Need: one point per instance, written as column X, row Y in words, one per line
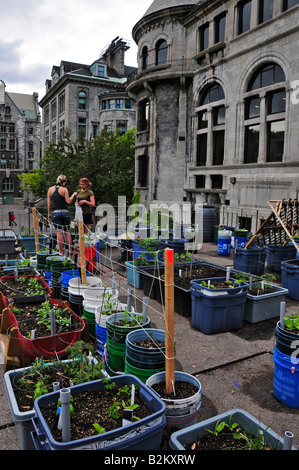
column 286, row 364
column 94, row 299
column 143, row 361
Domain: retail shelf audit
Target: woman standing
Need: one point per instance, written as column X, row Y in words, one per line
column 85, row 199
column 58, row 200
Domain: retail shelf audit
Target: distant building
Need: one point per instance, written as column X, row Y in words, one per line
column 88, row 98
column 20, row 141
column 217, row 100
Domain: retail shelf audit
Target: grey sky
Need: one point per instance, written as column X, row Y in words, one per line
column 37, row 34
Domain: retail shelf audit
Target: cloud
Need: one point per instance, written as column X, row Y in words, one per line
column 37, row 34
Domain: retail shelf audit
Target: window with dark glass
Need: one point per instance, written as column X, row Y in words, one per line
column 213, row 93
column 216, row 181
column 267, row 75
column 218, row 115
column 143, row 116
column 202, row 120
column 218, row 147
column 204, row 37
column 252, row 107
column 82, row 127
column 244, row 11
column 161, row 52
column 276, row 102
column 265, row 10
column 289, row 4
column 220, row 28
column 144, row 58
column 142, row 171
column 200, row 181
column 252, row 135
column 265, row 126
column 82, row 100
column 201, row 150
column 275, row 141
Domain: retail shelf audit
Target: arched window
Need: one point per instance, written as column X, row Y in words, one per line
column 82, row 97
column 265, row 115
column 211, row 126
column 161, row 52
column 144, row 58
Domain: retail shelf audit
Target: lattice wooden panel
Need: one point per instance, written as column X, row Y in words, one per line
column 280, row 226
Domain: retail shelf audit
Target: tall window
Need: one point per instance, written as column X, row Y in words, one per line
column 143, row 116
column 161, row 52
column 142, row 171
column 82, row 127
column 265, row 10
column 289, row 4
column 244, row 12
column 8, row 185
column 265, row 115
column 204, row 37
column 61, row 103
column 144, row 58
column 220, row 28
column 211, row 127
column 82, row 100
column 2, row 144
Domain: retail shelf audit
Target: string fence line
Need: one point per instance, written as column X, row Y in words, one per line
column 112, row 263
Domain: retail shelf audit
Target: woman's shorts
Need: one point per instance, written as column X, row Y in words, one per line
column 87, row 219
column 61, row 219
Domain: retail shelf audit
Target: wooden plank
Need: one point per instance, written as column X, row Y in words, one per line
column 169, row 322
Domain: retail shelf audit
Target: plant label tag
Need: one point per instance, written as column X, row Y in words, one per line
column 127, row 417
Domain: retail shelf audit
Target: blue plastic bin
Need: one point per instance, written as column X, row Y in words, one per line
column 134, row 277
column 290, row 278
column 144, row 434
column 217, row 310
column 276, row 254
column 250, row 260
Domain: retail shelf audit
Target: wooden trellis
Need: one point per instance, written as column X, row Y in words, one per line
column 281, row 225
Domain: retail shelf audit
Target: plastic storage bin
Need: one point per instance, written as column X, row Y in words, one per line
column 276, row 254
column 290, row 277
column 144, row 434
column 264, row 307
column 217, row 310
column 250, row 260
column 134, row 277
column 248, row 422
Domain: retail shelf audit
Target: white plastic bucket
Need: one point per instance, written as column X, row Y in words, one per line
column 77, row 288
column 180, row 413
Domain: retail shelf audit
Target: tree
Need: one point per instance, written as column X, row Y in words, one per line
column 107, row 160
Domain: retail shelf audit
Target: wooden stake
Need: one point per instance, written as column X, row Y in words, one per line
column 82, row 252
column 169, row 322
column 35, row 229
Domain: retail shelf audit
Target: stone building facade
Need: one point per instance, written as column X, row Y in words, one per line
column 20, row 141
column 217, row 97
column 88, row 98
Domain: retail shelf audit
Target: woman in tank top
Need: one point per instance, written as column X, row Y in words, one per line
column 58, row 201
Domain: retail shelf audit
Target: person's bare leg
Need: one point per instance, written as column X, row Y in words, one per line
column 60, row 242
column 69, row 242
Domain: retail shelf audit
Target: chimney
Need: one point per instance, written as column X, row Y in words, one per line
column 115, row 55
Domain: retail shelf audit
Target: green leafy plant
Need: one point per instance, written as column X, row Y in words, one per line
column 44, row 315
column 99, row 428
column 40, row 389
column 291, row 322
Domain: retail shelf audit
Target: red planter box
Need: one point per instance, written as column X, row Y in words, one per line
column 48, row 347
column 21, row 299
